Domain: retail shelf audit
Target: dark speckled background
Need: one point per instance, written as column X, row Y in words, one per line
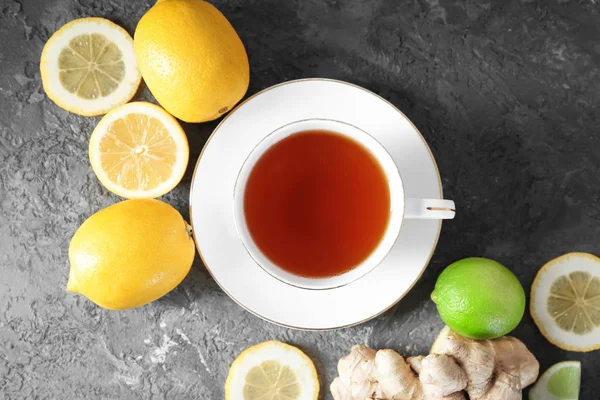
column 507, row 94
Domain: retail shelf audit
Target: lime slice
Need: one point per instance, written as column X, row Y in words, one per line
column 565, row 301
column 560, row 382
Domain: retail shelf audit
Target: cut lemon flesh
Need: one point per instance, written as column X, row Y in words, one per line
column 560, row 382
column 88, row 66
column 565, row 301
column 272, row 380
column 272, row 371
column 139, row 150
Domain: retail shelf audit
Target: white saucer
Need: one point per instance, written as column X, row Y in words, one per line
column 212, row 218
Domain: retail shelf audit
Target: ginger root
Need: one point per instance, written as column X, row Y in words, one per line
column 495, row 369
column 367, row 374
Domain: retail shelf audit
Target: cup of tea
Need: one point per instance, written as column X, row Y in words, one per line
column 319, row 203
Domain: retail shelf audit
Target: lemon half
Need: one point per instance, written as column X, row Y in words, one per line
column 565, row 301
column 88, row 66
column 139, row 150
column 272, row 370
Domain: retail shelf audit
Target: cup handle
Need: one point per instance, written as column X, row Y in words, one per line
column 429, row 209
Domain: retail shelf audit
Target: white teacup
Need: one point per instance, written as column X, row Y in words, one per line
column 400, row 207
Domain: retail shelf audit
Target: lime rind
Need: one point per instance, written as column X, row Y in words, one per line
column 560, row 382
column 479, row 298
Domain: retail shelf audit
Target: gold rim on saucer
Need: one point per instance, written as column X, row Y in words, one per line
column 432, row 160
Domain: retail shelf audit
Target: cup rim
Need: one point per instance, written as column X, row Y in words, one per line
column 391, row 232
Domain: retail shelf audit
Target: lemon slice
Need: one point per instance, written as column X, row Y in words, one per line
column 88, row 66
column 565, row 301
column 272, row 371
column 560, row 382
column 139, row 150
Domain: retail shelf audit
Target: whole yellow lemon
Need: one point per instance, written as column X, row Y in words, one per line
column 191, row 58
column 130, row 254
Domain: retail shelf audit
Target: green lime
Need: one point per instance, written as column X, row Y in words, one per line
column 560, row 381
column 479, row 298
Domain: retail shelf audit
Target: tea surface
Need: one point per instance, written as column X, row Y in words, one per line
column 317, row 203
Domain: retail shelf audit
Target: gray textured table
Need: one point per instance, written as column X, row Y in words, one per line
column 507, row 93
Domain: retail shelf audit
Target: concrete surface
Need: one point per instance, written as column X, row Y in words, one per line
column 507, row 94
